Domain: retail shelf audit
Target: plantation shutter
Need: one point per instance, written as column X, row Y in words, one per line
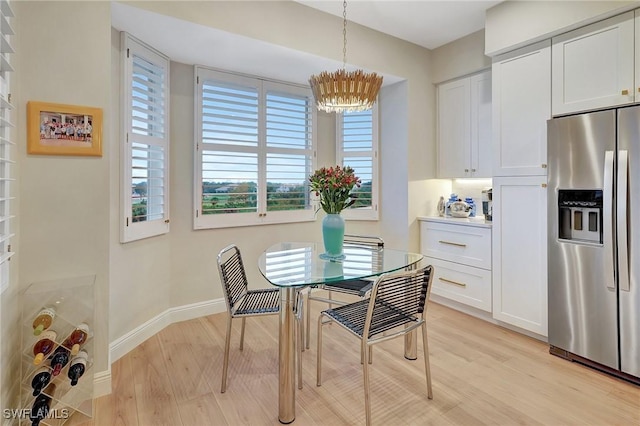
column 357, row 147
column 6, row 144
column 254, row 151
column 146, row 147
column 289, row 150
column 229, row 151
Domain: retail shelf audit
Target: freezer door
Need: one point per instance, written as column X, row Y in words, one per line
column 582, row 293
column 628, row 229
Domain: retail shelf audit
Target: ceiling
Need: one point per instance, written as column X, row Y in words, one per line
column 426, row 23
column 423, row 22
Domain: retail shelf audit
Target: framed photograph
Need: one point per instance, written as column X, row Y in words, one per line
column 56, row 129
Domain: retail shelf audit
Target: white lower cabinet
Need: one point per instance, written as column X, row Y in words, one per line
column 460, row 252
column 464, row 284
column 520, row 252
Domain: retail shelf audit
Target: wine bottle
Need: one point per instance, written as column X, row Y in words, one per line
column 77, row 338
column 42, row 405
column 40, row 379
column 59, row 359
column 43, row 320
column 77, row 367
column 44, row 346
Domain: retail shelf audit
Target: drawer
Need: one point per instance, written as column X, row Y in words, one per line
column 464, row 284
column 468, row 245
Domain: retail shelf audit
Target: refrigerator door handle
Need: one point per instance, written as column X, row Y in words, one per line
column 622, row 196
column 607, row 220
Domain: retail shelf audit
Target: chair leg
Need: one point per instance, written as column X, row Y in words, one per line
column 319, row 354
column 427, row 368
column 299, row 349
column 225, row 363
column 300, row 318
column 365, row 371
column 242, row 334
column 370, row 354
column 308, row 318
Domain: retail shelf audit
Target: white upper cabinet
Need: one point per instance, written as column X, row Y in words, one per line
column 593, row 66
column 521, row 107
column 464, row 127
column 481, row 125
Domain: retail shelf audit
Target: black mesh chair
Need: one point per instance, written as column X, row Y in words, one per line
column 357, row 287
column 396, row 307
column 242, row 303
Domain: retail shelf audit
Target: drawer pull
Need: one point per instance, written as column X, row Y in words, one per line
column 452, row 282
column 452, row 244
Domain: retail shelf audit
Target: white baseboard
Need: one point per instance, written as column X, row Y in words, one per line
column 102, row 383
column 483, row 315
column 126, row 343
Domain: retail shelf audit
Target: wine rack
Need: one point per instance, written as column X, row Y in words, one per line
column 73, row 301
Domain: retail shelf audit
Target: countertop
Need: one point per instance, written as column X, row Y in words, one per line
column 477, row 221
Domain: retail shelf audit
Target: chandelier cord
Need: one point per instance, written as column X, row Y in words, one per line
column 344, row 34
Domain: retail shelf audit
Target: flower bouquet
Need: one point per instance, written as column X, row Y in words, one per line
column 334, row 185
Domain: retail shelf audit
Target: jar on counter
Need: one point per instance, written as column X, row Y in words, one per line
column 472, row 205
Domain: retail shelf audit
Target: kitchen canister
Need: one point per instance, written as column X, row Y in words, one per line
column 472, row 205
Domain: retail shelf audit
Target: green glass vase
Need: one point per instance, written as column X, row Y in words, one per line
column 333, row 236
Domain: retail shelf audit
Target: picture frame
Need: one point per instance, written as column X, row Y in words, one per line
column 58, row 129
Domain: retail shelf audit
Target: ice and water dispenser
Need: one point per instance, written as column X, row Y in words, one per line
column 580, row 215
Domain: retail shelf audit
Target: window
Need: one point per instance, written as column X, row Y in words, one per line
column 255, row 148
column 145, row 153
column 357, row 146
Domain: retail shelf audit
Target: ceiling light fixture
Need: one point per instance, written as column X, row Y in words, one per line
column 343, row 91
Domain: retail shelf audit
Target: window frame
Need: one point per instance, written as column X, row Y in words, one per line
column 373, row 212
column 130, row 230
column 262, row 216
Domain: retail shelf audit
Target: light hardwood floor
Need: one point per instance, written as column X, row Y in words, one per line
column 482, row 374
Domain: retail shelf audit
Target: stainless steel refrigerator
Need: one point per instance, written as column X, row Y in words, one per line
column 594, row 239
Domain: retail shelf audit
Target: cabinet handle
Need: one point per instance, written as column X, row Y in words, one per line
column 544, row 166
column 638, row 91
column 452, row 244
column 473, row 170
column 466, row 170
column 452, row 282
column 625, row 92
column 544, row 185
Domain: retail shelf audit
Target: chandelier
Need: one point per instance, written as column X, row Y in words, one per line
column 345, row 91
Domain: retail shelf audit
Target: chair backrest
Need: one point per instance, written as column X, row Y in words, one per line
column 373, row 248
column 398, row 298
column 363, row 240
column 232, row 275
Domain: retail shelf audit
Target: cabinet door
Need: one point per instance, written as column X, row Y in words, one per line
column 481, row 125
column 453, row 128
column 521, row 90
column 520, row 252
column 593, row 66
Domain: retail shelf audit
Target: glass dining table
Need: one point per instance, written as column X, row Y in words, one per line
column 291, row 266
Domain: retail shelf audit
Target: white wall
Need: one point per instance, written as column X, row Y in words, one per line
column 514, row 24
column 64, row 201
